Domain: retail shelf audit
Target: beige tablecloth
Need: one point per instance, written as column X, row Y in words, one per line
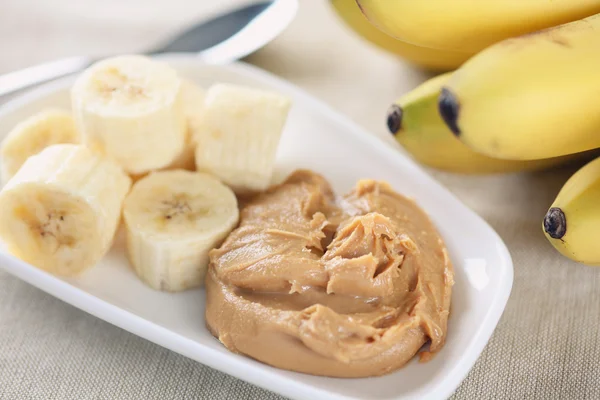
column 547, row 345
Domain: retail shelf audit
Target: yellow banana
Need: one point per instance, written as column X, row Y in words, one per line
column 572, row 224
column 470, row 25
column 418, row 127
column 439, row 60
column 530, row 97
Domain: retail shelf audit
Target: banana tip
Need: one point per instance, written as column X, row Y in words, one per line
column 449, row 108
column 394, row 118
column 555, row 223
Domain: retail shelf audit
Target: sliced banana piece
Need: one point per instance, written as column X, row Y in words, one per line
column 192, row 98
column 239, row 134
column 29, row 137
column 62, row 208
column 129, row 107
column 173, row 219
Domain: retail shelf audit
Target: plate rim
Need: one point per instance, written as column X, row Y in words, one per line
column 230, row 365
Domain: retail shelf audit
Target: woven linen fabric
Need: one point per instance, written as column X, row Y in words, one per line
column 546, row 346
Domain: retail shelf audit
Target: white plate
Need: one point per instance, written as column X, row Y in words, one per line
column 318, row 138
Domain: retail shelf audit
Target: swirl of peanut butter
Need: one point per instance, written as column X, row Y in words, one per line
column 347, row 287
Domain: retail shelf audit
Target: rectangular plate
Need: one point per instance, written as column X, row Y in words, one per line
column 318, row 138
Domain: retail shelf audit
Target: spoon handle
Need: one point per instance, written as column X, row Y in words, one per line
column 24, row 78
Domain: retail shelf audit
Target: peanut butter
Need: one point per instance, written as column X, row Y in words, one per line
column 344, row 287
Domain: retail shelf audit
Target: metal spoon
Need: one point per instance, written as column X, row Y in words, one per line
column 225, row 38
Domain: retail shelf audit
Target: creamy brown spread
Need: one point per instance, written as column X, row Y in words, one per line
column 347, row 287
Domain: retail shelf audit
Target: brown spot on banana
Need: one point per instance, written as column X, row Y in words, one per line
column 176, row 206
column 560, row 41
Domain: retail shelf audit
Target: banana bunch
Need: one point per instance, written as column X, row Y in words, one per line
column 470, row 25
column 529, row 97
column 416, row 124
column 524, row 100
column 68, row 175
column 442, row 34
column 572, row 223
column 429, row 58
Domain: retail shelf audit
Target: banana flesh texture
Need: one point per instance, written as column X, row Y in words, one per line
column 470, row 25
column 62, row 208
column 29, row 137
column 417, row 126
column 173, row 219
column 529, row 97
column 134, row 117
column 572, row 224
column 432, row 59
column 130, row 108
column 238, row 135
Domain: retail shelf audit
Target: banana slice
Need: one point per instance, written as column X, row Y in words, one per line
column 239, row 134
column 129, row 107
column 34, row 134
column 173, row 219
column 192, row 98
column 62, row 208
